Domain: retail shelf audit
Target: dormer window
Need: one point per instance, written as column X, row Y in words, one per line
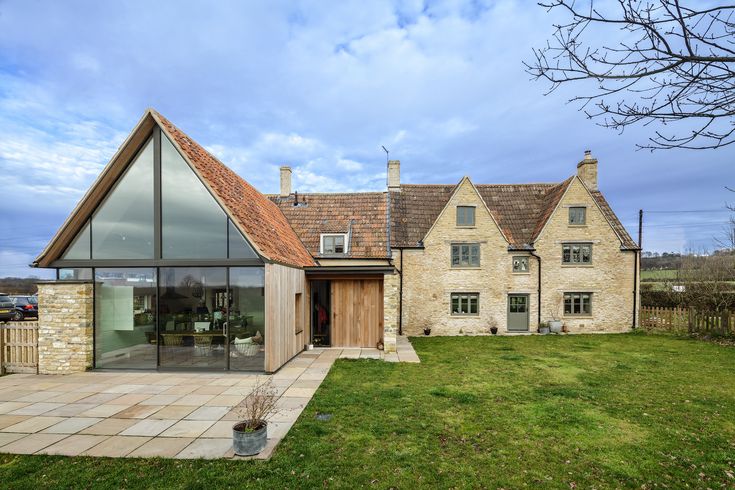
column 334, row 244
column 465, row 216
column 577, row 215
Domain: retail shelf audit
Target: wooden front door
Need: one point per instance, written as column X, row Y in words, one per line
column 357, row 312
column 517, row 312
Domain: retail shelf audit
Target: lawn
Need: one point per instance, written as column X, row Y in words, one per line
column 603, row 411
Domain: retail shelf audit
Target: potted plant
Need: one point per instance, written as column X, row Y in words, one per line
column 543, row 328
column 250, row 434
column 427, row 331
column 493, row 326
column 555, row 322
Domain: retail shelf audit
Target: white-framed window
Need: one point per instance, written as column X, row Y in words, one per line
column 577, row 215
column 576, row 253
column 465, row 255
column 578, row 304
column 332, row 244
column 465, row 304
column 465, row 215
column 520, row 263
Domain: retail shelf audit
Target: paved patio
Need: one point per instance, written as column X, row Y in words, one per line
column 145, row 414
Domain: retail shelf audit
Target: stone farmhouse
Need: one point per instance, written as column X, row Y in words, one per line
column 173, row 261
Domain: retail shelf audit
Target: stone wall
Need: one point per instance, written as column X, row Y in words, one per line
column 429, row 279
column 390, row 310
column 65, row 327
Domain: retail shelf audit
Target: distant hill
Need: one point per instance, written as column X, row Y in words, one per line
column 18, row 285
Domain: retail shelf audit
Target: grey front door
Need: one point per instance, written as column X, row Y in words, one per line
column 518, row 313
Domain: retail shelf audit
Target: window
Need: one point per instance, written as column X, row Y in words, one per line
column 298, row 314
column 578, row 304
column 465, row 216
column 466, row 255
column 576, row 253
column 520, row 264
column 578, row 215
column 333, row 244
column 465, row 304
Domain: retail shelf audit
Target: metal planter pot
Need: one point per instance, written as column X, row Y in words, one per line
column 555, row 326
column 249, row 443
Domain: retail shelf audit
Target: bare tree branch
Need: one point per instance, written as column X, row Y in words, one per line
column 670, row 63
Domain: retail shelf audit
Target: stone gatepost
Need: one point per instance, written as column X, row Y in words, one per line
column 65, row 326
column 390, row 311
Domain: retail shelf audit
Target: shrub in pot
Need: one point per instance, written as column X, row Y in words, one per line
column 427, row 331
column 543, row 328
column 250, row 434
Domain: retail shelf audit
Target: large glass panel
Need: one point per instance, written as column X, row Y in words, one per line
column 122, row 227
column 125, row 318
column 192, row 317
column 79, row 248
column 239, row 247
column 247, row 318
column 193, row 224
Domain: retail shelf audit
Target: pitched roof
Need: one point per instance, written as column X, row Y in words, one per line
column 521, row 210
column 361, row 214
column 256, row 215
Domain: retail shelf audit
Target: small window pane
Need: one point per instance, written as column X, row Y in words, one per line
column 465, row 216
column 520, row 264
column 465, row 303
column 576, row 253
column 577, row 215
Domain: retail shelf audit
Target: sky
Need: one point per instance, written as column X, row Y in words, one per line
column 319, row 86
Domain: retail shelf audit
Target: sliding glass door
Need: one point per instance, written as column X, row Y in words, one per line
column 193, row 317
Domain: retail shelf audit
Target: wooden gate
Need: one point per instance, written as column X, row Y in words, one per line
column 357, row 312
column 19, row 347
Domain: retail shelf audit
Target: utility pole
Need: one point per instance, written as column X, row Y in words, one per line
column 640, row 229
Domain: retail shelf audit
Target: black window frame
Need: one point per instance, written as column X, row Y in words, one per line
column 468, row 297
column 574, row 304
column 458, row 252
column 463, row 216
column 571, row 257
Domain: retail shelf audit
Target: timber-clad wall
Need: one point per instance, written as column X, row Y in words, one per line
column 357, row 312
column 281, row 341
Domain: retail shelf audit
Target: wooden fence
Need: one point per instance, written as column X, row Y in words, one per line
column 19, row 347
column 687, row 320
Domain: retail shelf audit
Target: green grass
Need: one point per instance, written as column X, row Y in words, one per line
column 602, row 411
column 658, row 275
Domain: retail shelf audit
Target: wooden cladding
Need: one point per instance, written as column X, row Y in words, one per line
column 19, row 348
column 357, row 312
column 282, row 316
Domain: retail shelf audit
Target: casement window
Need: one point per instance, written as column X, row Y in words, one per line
column 520, row 263
column 576, row 253
column 466, row 255
column 465, row 304
column 577, row 215
column 578, row 304
column 333, row 244
column 465, row 216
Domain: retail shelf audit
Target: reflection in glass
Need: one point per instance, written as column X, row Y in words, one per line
column 192, row 318
column 193, row 224
column 122, row 227
column 78, row 274
column 239, row 247
column 79, row 249
column 247, row 319
column 125, row 318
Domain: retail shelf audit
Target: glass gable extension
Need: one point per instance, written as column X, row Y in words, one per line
column 177, row 284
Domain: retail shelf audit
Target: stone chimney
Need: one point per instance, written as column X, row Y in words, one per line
column 285, row 181
column 587, row 170
column 394, row 175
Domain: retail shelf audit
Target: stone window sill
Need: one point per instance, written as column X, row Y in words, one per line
column 522, row 273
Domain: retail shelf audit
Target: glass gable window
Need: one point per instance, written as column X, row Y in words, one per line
column 466, row 255
column 576, row 253
column 520, row 264
column 80, row 247
column 122, row 227
column 577, row 215
column 465, row 216
column 238, row 248
column 193, row 224
column 578, row 304
column 465, row 304
column 333, row 244
column 125, row 318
